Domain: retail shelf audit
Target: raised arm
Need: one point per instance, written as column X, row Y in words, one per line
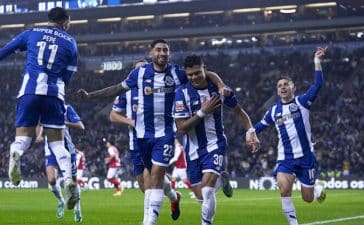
column 311, row 94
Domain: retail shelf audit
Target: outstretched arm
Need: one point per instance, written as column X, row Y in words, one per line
column 75, row 125
column 223, row 90
column 110, row 91
column 251, row 137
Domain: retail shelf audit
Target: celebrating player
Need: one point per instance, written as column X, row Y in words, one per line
column 198, row 114
column 296, row 158
column 51, row 61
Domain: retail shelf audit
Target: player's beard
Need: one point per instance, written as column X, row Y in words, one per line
column 161, row 61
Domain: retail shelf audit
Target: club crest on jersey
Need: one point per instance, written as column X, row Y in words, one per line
column 134, row 107
column 148, row 90
column 293, row 107
column 169, row 81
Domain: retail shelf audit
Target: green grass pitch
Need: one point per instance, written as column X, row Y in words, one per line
column 37, row 207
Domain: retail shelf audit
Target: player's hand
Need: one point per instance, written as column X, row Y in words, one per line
column 252, row 140
column 320, row 52
column 107, row 160
column 83, row 94
column 211, row 105
column 225, row 91
column 39, row 139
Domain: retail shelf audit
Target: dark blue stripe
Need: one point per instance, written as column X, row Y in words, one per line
column 148, row 103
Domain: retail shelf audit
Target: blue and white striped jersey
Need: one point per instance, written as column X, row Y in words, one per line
column 73, row 117
column 292, row 122
column 51, row 60
column 155, row 98
column 208, row 134
column 128, row 103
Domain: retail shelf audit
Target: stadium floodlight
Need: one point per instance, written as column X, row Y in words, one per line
column 79, row 21
column 148, row 17
column 287, row 11
column 318, row 5
column 110, row 19
column 176, row 15
column 41, row 24
column 18, row 25
column 281, row 7
column 247, row 10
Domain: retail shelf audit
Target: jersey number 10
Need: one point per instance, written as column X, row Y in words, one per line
column 42, row 46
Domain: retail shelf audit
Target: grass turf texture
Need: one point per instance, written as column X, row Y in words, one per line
column 38, row 207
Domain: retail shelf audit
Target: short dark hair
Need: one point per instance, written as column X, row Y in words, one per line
column 152, row 45
column 284, row 77
column 193, row 60
column 138, row 61
column 58, row 15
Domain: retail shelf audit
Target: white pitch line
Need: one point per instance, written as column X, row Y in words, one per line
column 336, row 220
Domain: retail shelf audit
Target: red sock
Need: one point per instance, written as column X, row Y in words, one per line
column 173, row 183
column 115, row 182
column 80, row 182
column 187, row 182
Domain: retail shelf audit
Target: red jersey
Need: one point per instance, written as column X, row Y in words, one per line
column 181, row 160
column 81, row 161
column 114, row 155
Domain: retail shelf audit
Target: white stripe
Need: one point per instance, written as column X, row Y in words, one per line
column 41, row 87
column 336, row 220
column 72, row 68
column 175, row 77
column 306, row 121
column 140, row 126
column 129, row 115
column 159, row 99
column 23, row 85
column 60, row 85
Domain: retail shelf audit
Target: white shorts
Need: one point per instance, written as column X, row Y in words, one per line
column 79, row 174
column 179, row 173
column 112, row 172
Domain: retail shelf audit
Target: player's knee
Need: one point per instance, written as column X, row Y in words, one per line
column 52, row 181
column 21, row 143
column 308, row 198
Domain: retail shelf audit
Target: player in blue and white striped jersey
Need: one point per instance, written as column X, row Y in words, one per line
column 156, row 83
column 51, row 61
column 72, row 120
column 124, row 112
column 296, row 158
column 198, row 114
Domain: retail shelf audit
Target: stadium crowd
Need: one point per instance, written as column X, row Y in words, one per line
column 337, row 118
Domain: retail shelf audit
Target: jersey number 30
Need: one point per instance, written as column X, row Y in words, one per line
column 42, row 46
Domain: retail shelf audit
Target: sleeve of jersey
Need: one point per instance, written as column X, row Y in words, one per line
column 72, row 115
column 231, row 100
column 180, row 109
column 72, row 66
column 17, row 44
column 181, row 74
column 132, row 80
column 310, row 96
column 120, row 103
column 265, row 122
